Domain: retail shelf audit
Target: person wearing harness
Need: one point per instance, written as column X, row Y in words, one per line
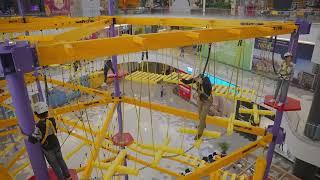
column 285, row 73
column 205, row 99
column 45, row 133
column 106, row 68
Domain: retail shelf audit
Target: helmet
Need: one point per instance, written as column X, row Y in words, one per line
column 287, row 54
column 40, row 107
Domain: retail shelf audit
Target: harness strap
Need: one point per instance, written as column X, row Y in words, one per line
column 48, row 125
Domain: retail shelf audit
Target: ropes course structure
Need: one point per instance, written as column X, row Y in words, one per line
column 112, row 152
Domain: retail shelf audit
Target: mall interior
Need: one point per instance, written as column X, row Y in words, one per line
column 160, row 89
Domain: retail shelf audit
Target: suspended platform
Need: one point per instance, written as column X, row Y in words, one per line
column 145, row 77
column 291, row 104
column 231, row 92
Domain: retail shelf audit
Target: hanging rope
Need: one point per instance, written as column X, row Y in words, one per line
column 205, row 66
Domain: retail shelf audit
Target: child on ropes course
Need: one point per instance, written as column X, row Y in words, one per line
column 205, row 100
column 45, row 133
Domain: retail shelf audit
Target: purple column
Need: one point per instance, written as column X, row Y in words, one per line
column 21, row 102
column 117, row 92
column 293, row 45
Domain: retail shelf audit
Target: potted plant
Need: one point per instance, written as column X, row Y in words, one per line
column 224, row 146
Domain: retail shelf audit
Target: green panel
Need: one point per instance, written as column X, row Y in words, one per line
column 226, row 52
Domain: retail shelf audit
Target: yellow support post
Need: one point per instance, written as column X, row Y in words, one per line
column 260, row 167
column 231, row 124
column 98, row 142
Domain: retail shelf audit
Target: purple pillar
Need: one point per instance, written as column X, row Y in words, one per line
column 276, row 129
column 117, row 93
column 21, row 102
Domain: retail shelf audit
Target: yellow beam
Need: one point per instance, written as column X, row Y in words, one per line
column 238, row 154
column 20, row 168
column 72, row 35
column 16, row 157
column 8, row 123
column 206, row 133
column 36, row 24
column 62, row 53
column 79, row 106
column 77, row 87
column 8, row 132
column 192, row 22
column 187, row 115
column 98, row 142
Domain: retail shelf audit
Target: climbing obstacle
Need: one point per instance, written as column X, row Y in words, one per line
column 144, row 77
column 256, row 112
column 233, row 93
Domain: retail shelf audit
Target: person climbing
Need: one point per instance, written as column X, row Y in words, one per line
column 285, row 72
column 205, row 100
column 106, row 68
column 45, row 133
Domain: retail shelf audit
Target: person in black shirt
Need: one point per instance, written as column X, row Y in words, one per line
column 45, row 133
column 205, row 99
column 106, row 68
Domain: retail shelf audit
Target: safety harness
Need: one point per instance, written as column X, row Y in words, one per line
column 49, row 125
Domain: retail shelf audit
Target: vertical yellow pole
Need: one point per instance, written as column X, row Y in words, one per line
column 259, row 168
column 97, row 143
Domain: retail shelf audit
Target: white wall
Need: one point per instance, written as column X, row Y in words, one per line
column 90, row 8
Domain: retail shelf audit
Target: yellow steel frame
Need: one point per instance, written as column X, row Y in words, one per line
column 66, row 48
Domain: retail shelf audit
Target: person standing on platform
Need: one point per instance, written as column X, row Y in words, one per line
column 106, row 68
column 45, row 133
column 205, row 100
column 285, row 74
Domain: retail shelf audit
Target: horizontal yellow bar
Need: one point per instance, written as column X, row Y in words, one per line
column 79, row 106
column 8, row 132
column 16, row 157
column 62, row 53
column 36, row 24
column 206, row 133
column 8, row 123
column 187, row 115
column 192, row 22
